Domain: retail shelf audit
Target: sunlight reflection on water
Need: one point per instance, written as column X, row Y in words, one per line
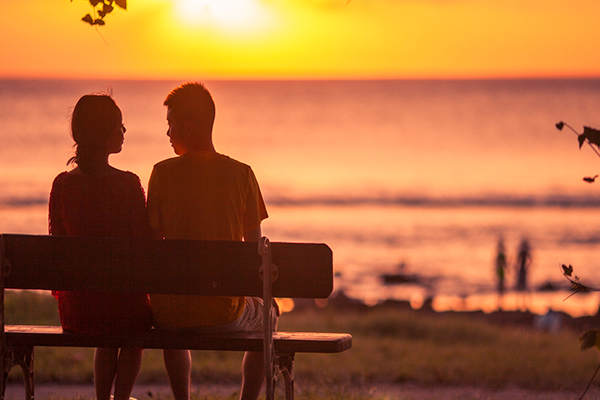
column 449, row 251
column 350, row 141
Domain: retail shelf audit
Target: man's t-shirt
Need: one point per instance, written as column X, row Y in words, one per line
column 202, row 196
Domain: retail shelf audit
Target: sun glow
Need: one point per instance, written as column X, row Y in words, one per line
column 227, row 14
column 296, row 39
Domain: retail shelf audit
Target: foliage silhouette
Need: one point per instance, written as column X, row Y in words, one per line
column 100, row 9
column 591, row 135
column 576, row 285
column 590, row 338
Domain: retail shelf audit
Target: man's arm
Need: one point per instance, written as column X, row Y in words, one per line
column 253, row 235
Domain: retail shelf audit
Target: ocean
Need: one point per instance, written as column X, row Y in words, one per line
column 412, row 178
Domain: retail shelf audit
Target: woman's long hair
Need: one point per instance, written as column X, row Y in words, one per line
column 94, row 118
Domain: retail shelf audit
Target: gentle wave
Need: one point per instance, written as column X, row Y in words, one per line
column 23, row 202
column 408, row 201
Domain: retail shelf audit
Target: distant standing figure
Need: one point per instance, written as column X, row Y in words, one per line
column 523, row 262
column 500, row 268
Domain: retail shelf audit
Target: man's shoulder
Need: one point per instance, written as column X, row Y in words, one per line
column 233, row 162
column 167, row 162
column 221, row 161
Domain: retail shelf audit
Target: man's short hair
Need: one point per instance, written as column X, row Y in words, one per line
column 191, row 102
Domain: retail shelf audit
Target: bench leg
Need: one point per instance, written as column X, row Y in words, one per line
column 4, row 378
column 285, row 365
column 271, row 383
column 23, row 357
column 282, row 364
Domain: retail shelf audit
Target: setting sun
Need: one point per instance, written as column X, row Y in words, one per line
column 224, row 14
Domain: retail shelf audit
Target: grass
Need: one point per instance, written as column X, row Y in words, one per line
column 389, row 346
column 408, row 346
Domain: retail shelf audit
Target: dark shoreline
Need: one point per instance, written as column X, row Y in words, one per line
column 552, row 321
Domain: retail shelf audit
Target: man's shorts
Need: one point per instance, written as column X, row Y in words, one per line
column 251, row 319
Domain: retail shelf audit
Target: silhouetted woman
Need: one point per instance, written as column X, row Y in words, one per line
column 96, row 199
column 500, row 269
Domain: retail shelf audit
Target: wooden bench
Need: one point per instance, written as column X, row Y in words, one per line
column 294, row 270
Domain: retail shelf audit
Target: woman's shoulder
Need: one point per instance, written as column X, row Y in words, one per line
column 116, row 176
column 60, row 178
column 126, row 177
column 63, row 175
column 127, row 174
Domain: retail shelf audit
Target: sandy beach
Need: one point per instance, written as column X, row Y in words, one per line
column 383, row 391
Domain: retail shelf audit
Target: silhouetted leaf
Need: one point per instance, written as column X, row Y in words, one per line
column 576, row 286
column 589, row 339
column 568, row 271
column 107, row 8
column 590, row 179
column 560, row 125
column 88, row 18
column 103, row 8
column 592, row 135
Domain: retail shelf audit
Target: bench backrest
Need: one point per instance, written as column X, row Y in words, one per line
column 164, row 266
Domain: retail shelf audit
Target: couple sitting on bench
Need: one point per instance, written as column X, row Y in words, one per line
column 199, row 195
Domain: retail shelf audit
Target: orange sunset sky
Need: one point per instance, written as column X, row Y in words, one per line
column 281, row 39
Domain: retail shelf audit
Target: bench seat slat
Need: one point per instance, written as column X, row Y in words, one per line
column 285, row 342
